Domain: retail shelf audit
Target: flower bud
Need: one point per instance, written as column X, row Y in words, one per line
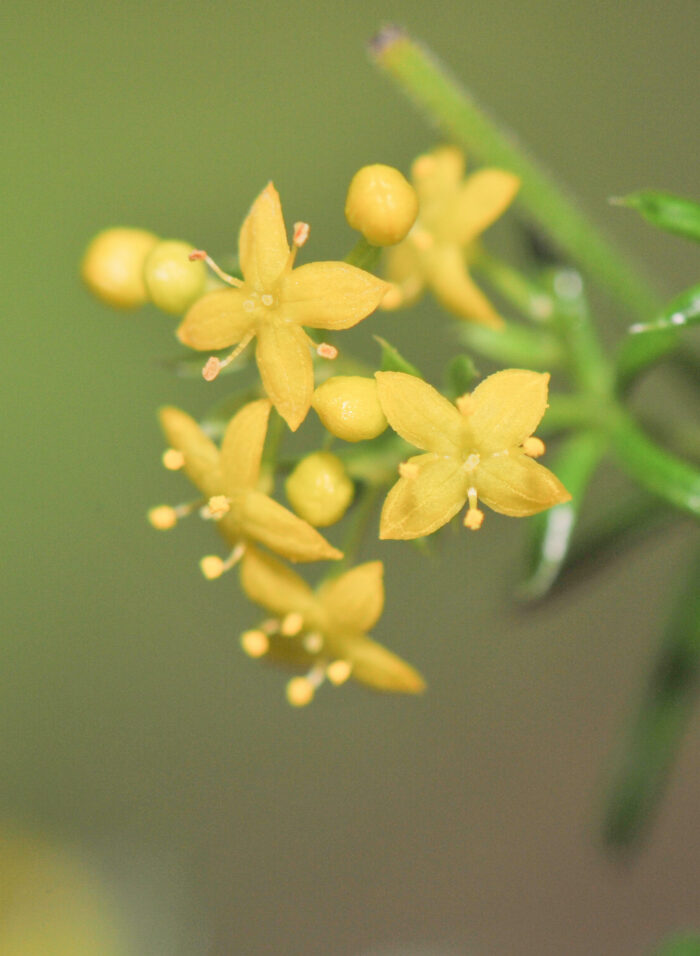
column 173, row 282
column 319, row 489
column 349, row 407
column 381, row 204
column 112, row 267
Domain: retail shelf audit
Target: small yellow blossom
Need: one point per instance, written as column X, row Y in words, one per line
column 274, row 302
column 474, row 452
column 452, row 212
column 329, row 637
column 228, row 480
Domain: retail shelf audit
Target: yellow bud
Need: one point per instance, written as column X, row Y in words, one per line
column 381, row 204
column 349, row 407
column 319, row 489
column 172, row 281
column 112, row 267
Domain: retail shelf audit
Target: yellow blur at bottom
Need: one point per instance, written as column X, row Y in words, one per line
column 52, row 904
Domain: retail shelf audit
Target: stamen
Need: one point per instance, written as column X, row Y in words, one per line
column 216, row 507
column 212, row 566
column 408, row 469
column 472, row 462
column 301, row 233
column 534, row 447
column 338, row 672
column 327, row 351
column 466, row 405
column 173, row 459
column 255, row 643
column 474, row 517
column 199, row 254
column 214, row 364
column 292, row 623
column 424, row 166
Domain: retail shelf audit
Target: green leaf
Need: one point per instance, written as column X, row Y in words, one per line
column 660, row 723
column 652, row 467
column 683, row 310
column 666, row 211
column 516, row 346
column 393, row 361
column 461, row 375
column 684, row 945
column 551, row 531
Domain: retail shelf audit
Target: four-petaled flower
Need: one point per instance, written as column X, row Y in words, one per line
column 452, row 212
column 274, row 301
column 477, row 450
column 228, row 480
column 323, row 632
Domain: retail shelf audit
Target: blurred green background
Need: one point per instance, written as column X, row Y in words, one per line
column 216, row 819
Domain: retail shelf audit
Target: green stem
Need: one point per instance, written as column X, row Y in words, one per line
column 363, row 255
column 522, row 292
column 364, row 508
column 425, row 81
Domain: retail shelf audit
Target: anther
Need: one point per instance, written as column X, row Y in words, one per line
column 212, row 566
column 300, row 691
column 255, row 643
column 408, row 469
column 216, row 507
column 327, row 351
column 533, row 447
column 173, row 459
column 301, row 233
column 214, row 364
column 466, row 405
column 474, row 517
column 163, row 517
column 313, row 642
column 338, row 672
column 292, row 623
column 211, row 369
column 200, row 254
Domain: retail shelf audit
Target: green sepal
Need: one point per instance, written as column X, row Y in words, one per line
column 461, row 374
column 393, row 361
column 666, row 211
column 660, row 723
column 551, row 531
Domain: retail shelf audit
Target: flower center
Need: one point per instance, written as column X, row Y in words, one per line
column 472, row 462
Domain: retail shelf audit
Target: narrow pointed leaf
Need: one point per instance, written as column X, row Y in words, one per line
column 461, row 375
column 683, row 310
column 393, row 361
column 666, row 211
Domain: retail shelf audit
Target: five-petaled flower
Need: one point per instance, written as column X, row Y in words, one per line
column 479, row 449
column 274, row 302
column 228, row 480
column 452, row 212
column 323, row 632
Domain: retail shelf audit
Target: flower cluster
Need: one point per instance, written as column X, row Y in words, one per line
column 479, row 450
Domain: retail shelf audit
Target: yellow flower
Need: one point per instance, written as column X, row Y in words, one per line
column 480, row 449
column 323, row 632
column 274, row 301
column 452, row 212
column 228, row 480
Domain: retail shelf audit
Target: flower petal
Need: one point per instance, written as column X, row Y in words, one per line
column 284, row 360
column 262, row 243
column 515, row 485
column 215, row 321
column 419, row 413
column 437, row 173
column 330, row 295
column 480, row 201
column 273, row 586
column 355, row 600
column 270, row 523
column 418, row 506
column 452, row 285
column 404, row 270
column 202, row 462
column 377, row 667
column 508, row 407
column 242, row 446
